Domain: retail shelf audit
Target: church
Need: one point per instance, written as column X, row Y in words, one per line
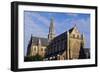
column 66, row 46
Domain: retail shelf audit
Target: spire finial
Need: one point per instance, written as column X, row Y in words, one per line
column 75, row 26
column 39, row 41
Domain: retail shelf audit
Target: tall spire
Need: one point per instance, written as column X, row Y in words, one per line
column 51, row 28
column 51, row 34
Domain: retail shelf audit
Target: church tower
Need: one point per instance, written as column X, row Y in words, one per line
column 51, row 34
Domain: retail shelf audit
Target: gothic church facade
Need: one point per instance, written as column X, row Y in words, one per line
column 68, row 45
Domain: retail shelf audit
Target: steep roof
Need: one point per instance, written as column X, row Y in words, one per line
column 74, row 29
column 44, row 41
column 70, row 30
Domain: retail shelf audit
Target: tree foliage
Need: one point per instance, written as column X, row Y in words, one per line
column 33, row 58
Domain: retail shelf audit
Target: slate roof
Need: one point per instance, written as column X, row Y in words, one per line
column 44, row 41
column 71, row 30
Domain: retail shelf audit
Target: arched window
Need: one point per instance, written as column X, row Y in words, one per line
column 64, row 57
column 41, row 49
column 73, row 35
column 35, row 49
column 77, row 36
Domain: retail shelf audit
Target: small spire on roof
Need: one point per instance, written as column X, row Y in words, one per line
column 75, row 26
column 39, row 41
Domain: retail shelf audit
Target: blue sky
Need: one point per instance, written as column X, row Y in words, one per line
column 37, row 24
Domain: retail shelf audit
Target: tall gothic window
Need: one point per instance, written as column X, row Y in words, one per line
column 35, row 49
column 41, row 49
column 73, row 35
column 78, row 36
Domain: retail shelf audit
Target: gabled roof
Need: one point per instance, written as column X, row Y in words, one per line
column 71, row 30
column 35, row 40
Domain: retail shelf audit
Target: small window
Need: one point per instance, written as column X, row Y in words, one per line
column 73, row 35
column 41, row 49
column 77, row 36
column 64, row 57
column 34, row 49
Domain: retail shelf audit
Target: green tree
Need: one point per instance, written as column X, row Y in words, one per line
column 33, row 58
